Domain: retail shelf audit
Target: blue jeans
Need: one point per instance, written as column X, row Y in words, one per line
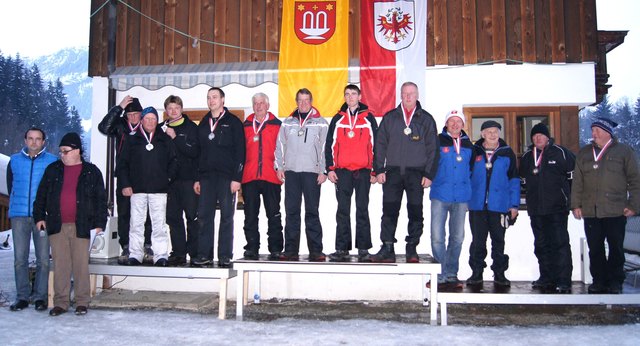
column 447, row 255
column 23, row 229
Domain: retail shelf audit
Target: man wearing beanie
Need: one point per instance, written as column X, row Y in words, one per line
column 606, row 190
column 71, row 201
column 146, row 167
column 546, row 171
column 121, row 122
column 450, row 194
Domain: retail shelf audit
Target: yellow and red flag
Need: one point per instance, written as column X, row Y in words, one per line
column 313, row 54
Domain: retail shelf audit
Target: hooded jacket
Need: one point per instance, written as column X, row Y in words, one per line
column 352, row 153
column 301, row 148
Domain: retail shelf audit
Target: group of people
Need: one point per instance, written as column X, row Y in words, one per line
column 176, row 172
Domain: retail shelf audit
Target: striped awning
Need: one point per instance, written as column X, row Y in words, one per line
column 249, row 74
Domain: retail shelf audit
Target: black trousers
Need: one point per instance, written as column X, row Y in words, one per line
column 484, row 223
column 215, row 190
column 124, row 216
column 349, row 181
column 392, row 191
column 606, row 270
column 297, row 185
column 270, row 193
column 552, row 248
column 182, row 200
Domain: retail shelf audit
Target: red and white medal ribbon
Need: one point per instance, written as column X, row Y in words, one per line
column 149, row 138
column 537, row 159
column 597, row 157
column 456, row 145
column 256, row 131
column 133, row 128
column 213, row 125
column 407, row 130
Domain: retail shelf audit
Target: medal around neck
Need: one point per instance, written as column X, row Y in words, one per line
column 211, row 136
column 149, row 147
column 256, row 138
column 301, row 132
column 488, row 165
column 459, row 158
column 407, row 131
column 351, row 134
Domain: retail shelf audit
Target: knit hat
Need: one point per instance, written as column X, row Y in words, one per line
column 149, row 110
column 490, row 123
column 71, row 140
column 605, row 124
column 540, row 128
column 134, row 106
column 455, row 113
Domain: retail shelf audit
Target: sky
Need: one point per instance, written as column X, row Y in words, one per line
column 45, row 26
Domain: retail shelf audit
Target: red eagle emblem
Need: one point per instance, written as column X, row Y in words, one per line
column 394, row 23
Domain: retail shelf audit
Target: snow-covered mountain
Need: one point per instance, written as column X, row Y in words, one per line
column 70, row 65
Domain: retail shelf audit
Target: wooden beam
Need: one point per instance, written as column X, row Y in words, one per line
column 543, row 32
column 484, row 27
column 558, row 49
column 145, row 34
column 181, row 42
column 528, row 30
column 258, row 33
column 133, row 35
column 513, row 19
column 169, row 35
column 193, row 51
column 589, row 30
column 121, row 35
column 206, row 30
column 455, row 44
column 273, row 27
column 431, row 45
column 469, row 33
column 440, row 32
column 498, row 30
column 219, row 27
column 156, row 39
column 572, row 31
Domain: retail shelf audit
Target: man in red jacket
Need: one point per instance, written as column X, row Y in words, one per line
column 259, row 178
column 349, row 160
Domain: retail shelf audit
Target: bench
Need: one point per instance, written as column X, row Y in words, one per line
column 445, row 298
column 110, row 267
column 426, row 268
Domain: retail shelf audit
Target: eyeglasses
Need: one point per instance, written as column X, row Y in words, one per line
column 65, row 152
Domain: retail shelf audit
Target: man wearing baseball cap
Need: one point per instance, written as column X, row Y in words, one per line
column 606, row 190
column 450, row 193
column 546, row 171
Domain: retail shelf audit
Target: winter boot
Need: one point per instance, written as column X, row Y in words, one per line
column 475, row 278
column 412, row 253
column 386, row 254
column 500, row 280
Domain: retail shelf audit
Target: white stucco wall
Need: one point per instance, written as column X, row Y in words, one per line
column 447, row 88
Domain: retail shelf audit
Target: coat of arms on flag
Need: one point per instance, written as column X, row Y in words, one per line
column 394, row 24
column 314, row 21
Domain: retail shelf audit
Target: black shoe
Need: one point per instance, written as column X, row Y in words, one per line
column 275, row 256
column 615, row 288
column 56, row 311
column 539, row 284
column 201, row 261
column 317, row 257
column 385, row 255
column 563, row 289
column 41, row 305
column 123, row 259
column 412, row 254
column 81, row 310
column 292, row 257
column 161, row 263
column 251, row 255
column 500, row 280
column 475, row 278
column 597, row 288
column 19, row 305
column 364, row 256
column 176, row 261
column 340, row 256
column 224, row 262
column 133, row 262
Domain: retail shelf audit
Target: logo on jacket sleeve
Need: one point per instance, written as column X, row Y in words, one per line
column 315, row 21
column 394, row 25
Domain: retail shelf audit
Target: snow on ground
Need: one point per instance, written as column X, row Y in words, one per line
column 151, row 327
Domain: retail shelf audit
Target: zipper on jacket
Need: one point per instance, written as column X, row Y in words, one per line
column 30, row 182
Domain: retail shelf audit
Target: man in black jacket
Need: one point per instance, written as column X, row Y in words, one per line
column 121, row 122
column 71, row 202
column 406, row 160
column 146, row 168
column 181, row 197
column 546, row 170
column 221, row 164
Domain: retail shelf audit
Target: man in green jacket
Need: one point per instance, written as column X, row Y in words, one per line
column 606, row 190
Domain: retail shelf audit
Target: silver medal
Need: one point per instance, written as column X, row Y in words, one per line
column 488, row 165
column 301, row 133
column 256, row 138
column 211, row 136
column 535, row 171
column 595, row 166
column 149, row 147
column 132, row 133
column 164, row 127
column 459, row 158
column 351, row 134
column 407, row 131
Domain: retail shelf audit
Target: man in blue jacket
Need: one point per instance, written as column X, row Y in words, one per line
column 24, row 173
column 495, row 197
column 450, row 192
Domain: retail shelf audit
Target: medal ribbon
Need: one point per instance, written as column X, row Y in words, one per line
column 537, row 159
column 490, row 156
column 256, row 131
column 149, row 138
column 596, row 158
column 303, row 121
column 214, row 125
column 352, row 123
column 404, row 111
column 169, row 122
column 456, row 145
column 133, row 128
